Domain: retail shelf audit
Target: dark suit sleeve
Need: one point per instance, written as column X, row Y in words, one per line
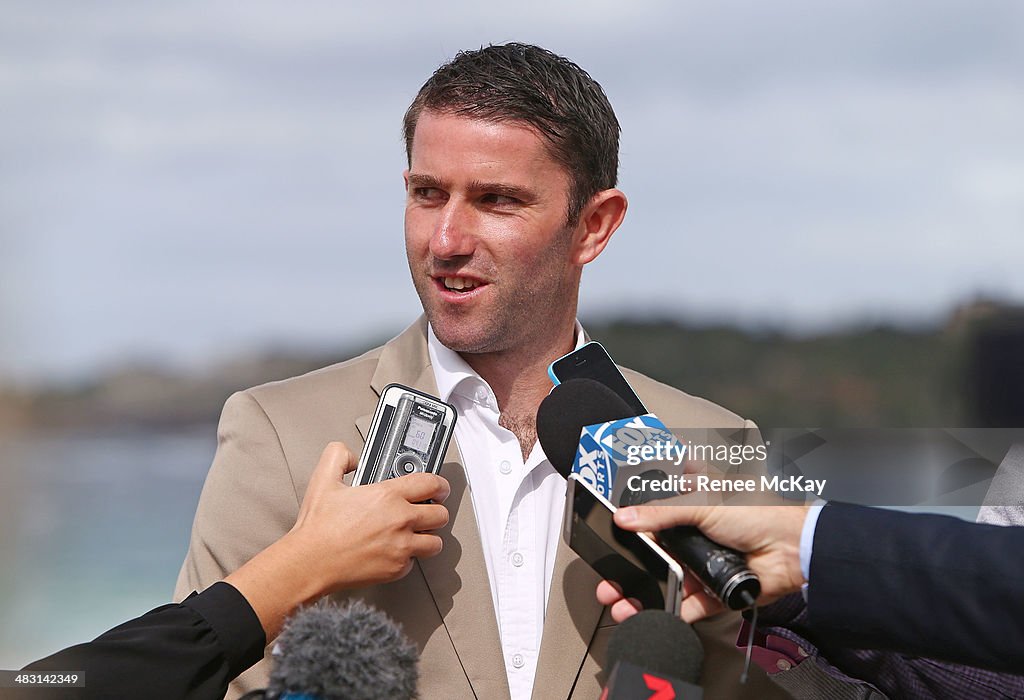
column 191, row 650
column 927, row 585
column 842, row 672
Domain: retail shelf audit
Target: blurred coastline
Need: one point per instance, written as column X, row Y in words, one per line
column 862, row 376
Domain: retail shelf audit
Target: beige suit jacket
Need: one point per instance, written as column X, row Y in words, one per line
column 270, row 438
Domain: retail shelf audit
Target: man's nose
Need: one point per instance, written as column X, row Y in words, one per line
column 452, row 237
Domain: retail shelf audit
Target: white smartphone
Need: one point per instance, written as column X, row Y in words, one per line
column 633, row 560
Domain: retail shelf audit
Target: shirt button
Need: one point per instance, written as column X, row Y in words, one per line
column 518, row 661
column 802, row 652
column 481, row 395
column 783, row 665
column 505, row 467
column 517, row 559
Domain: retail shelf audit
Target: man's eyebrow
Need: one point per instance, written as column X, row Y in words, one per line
column 505, row 190
column 416, row 180
column 524, row 194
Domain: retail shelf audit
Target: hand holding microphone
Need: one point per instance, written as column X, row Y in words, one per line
column 578, row 403
column 769, row 535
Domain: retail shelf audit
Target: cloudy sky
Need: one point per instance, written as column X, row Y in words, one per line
column 181, row 182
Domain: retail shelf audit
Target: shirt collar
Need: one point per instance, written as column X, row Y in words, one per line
column 450, row 370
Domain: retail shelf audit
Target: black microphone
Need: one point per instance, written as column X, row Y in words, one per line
column 654, row 654
column 351, row 652
column 569, row 408
column 577, row 403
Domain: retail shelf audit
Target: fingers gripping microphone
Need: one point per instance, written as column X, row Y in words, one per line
column 353, row 652
column 573, row 408
column 654, row 654
column 721, row 569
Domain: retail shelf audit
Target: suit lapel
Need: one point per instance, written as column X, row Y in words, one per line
column 463, row 598
column 570, row 620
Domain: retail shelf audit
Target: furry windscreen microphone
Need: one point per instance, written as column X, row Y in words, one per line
column 660, row 642
column 351, row 652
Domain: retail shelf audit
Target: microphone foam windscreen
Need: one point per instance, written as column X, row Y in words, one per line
column 660, row 642
column 570, row 407
column 351, row 652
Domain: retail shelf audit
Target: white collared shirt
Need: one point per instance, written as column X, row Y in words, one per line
column 518, row 508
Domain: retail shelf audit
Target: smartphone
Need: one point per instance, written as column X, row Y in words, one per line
column 633, row 560
column 592, row 361
column 410, row 432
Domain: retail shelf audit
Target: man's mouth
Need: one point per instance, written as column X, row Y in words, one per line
column 459, row 284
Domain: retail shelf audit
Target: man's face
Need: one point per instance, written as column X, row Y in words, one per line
column 485, row 233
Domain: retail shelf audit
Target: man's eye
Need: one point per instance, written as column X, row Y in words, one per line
column 428, row 193
column 500, row 200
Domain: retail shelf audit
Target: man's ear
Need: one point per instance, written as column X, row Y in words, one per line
column 598, row 221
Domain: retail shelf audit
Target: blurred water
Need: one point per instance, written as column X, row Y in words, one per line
column 93, row 529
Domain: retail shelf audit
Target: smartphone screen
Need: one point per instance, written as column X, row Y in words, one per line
column 627, row 558
column 592, row 361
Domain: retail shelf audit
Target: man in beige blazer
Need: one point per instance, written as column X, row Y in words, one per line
column 513, row 154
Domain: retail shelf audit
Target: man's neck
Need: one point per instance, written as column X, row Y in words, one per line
column 519, row 380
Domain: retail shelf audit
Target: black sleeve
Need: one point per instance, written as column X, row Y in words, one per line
column 929, row 585
column 191, row 650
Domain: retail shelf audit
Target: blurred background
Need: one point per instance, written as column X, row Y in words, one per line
column 825, row 228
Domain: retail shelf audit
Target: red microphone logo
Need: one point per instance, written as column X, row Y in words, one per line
column 662, row 688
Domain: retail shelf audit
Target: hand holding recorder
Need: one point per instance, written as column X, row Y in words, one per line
column 344, row 537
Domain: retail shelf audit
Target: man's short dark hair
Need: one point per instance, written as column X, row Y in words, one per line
column 528, row 84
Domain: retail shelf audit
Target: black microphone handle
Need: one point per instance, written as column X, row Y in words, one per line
column 720, row 568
